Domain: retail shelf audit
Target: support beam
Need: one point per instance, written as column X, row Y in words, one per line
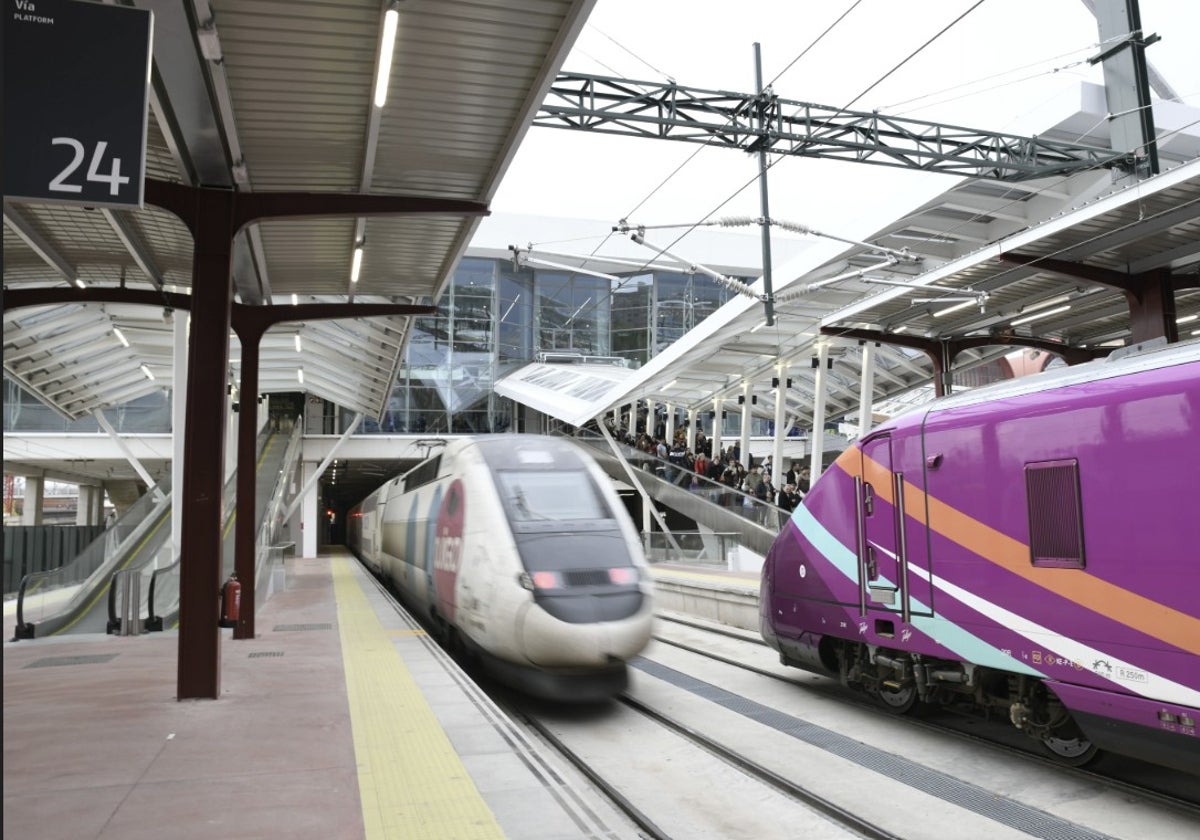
column 178, row 424
column 1127, row 81
column 31, row 503
column 631, row 474
column 251, row 323
column 143, row 474
column 781, row 388
column 49, row 254
column 310, row 481
column 215, row 217
column 817, row 439
column 121, row 225
column 718, row 409
column 1150, row 295
column 744, row 438
column 942, row 352
column 866, row 389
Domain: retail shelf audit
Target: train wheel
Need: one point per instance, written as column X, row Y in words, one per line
column 898, row 701
column 1075, row 751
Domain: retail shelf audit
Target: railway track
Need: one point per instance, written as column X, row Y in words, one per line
column 715, row 739
column 1177, row 791
column 673, row 782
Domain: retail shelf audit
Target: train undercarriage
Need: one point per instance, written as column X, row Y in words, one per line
column 904, row 682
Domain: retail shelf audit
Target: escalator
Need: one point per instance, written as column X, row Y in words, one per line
column 83, row 596
column 708, row 505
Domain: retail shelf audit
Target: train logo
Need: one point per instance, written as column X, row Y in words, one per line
column 447, row 550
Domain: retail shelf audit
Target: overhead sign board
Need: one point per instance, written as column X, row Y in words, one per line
column 76, row 87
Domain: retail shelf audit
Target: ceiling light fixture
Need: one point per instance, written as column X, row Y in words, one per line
column 1043, row 304
column 356, row 265
column 79, row 282
column 300, row 375
column 120, row 337
column 295, row 298
column 387, row 46
column 297, row 337
column 1186, row 319
column 1029, row 318
column 954, row 308
column 146, row 371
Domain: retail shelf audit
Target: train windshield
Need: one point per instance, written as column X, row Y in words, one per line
column 550, row 495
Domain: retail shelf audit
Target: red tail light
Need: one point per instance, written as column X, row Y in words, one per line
column 623, row 574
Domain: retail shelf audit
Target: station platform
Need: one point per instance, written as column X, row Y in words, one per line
column 340, row 719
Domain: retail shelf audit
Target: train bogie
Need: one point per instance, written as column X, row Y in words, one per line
column 1019, row 549
column 517, row 551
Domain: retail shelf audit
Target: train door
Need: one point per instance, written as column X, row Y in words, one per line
column 881, row 564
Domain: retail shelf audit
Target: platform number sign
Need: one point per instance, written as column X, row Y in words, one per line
column 76, row 85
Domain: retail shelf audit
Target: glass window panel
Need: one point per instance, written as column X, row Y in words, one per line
column 531, row 495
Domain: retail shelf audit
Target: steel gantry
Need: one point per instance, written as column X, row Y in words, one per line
column 767, row 122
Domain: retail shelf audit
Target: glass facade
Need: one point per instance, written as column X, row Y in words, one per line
column 493, row 319
column 24, row 412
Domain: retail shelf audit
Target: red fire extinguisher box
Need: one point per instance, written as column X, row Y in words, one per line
column 231, row 602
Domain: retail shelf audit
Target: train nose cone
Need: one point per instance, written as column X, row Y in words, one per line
column 549, row 641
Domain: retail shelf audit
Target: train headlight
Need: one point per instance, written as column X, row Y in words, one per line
column 540, row 580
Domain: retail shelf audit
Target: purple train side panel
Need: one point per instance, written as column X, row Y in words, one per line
column 1029, row 548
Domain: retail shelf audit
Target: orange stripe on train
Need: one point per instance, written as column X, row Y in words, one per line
column 1077, row 585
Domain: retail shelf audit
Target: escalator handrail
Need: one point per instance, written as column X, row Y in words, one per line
column 153, row 620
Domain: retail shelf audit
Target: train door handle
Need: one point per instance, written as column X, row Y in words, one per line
column 868, row 499
column 872, row 563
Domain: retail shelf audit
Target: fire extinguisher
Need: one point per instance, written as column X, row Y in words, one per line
column 231, row 602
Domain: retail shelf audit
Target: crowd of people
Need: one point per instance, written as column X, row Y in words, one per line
column 725, row 472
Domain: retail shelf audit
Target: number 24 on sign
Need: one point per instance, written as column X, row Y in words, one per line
column 114, row 178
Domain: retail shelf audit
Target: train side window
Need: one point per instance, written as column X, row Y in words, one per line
column 423, row 473
column 1055, row 514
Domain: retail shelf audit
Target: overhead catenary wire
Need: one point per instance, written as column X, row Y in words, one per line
column 692, row 157
column 950, row 229
column 843, row 108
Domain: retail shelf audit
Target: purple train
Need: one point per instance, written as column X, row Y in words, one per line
column 1027, row 548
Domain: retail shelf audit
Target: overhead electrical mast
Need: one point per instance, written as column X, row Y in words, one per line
column 763, row 143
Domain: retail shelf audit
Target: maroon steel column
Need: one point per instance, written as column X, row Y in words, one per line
column 199, row 671
column 247, row 476
column 1152, row 306
column 251, row 324
column 214, row 216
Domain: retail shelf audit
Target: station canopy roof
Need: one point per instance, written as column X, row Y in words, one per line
column 255, row 95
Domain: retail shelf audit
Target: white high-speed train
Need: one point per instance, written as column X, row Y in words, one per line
column 517, row 550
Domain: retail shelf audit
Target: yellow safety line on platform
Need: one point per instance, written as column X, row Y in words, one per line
column 411, row 781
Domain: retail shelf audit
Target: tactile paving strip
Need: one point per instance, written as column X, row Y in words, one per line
column 85, row 659
column 411, row 780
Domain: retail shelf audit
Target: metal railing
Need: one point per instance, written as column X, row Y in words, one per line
column 58, row 591
column 162, row 602
column 733, row 500
column 697, row 548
